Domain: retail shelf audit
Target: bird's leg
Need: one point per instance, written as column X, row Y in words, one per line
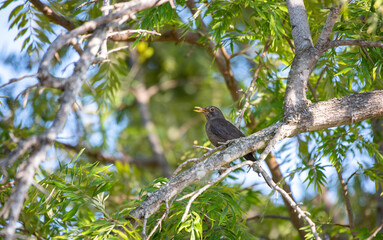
column 228, row 141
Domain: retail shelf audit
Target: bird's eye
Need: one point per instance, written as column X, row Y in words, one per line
column 211, row 109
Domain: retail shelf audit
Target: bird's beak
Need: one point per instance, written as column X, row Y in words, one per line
column 200, row 110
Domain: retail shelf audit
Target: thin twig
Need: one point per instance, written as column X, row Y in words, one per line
column 320, row 76
column 347, row 201
column 375, row 232
column 312, row 90
column 28, row 89
column 195, row 194
column 268, row 216
column 203, row 157
column 13, row 80
column 239, row 53
column 202, row 147
column 250, row 90
column 86, row 3
column 159, row 221
column 349, row 178
column 361, row 43
column 118, row 49
column 131, row 32
column 279, row 134
column 292, row 203
column 144, row 225
column 372, row 61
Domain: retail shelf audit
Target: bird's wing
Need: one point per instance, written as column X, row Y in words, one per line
column 225, row 129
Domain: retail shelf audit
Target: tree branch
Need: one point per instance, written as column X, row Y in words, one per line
column 291, row 201
column 198, row 192
column 375, row 232
column 125, row 159
column 347, row 201
column 71, row 87
column 53, row 16
column 251, row 89
column 360, row 43
column 267, row 216
column 299, row 25
column 332, row 113
column 142, row 97
column 47, row 79
column 28, row 168
column 277, row 178
column 324, row 37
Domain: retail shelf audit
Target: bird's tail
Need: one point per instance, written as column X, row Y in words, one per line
column 250, row 157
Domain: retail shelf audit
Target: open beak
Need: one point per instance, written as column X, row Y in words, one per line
column 200, row 110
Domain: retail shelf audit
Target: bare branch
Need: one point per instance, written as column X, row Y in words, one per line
column 202, row 147
column 299, row 25
column 21, row 148
column 251, row 89
column 28, row 168
column 48, row 79
column 197, row 160
column 258, row 217
column 335, row 112
column 195, row 194
column 127, row 33
column 13, row 80
column 375, row 232
column 53, row 16
column 292, row 203
column 159, row 221
column 320, row 77
column 324, row 37
column 86, row 3
column 277, row 177
column 349, row 178
column 312, row 90
column 280, row 134
column 361, row 43
column 143, row 96
column 346, row 200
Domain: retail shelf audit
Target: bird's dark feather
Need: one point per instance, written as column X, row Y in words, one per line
column 221, row 130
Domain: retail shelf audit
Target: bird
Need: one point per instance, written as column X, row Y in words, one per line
column 218, row 129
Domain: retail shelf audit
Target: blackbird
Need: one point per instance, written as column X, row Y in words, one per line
column 218, row 129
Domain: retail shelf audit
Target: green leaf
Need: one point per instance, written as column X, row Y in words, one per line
column 71, row 213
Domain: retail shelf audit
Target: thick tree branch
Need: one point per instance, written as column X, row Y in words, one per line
column 71, row 87
column 299, row 25
column 304, row 60
column 322, row 115
column 47, row 79
column 28, row 168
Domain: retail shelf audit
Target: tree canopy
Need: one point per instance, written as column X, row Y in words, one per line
column 100, row 141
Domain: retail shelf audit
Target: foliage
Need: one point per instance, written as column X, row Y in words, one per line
column 78, row 195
